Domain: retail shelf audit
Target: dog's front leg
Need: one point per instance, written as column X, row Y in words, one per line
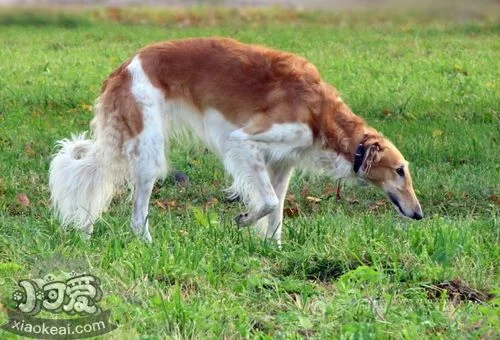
column 244, row 160
column 280, row 177
column 262, row 200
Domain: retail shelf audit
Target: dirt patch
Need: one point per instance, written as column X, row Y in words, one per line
column 457, row 292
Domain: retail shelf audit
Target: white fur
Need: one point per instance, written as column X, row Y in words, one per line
column 146, row 152
column 84, row 173
column 81, row 183
column 328, row 162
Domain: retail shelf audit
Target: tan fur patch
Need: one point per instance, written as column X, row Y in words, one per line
column 118, row 104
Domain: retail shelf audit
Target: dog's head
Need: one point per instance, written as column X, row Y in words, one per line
column 379, row 162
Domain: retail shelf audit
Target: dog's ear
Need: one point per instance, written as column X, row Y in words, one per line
column 373, row 155
column 367, row 154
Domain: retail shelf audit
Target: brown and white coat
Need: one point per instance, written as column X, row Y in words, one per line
column 261, row 111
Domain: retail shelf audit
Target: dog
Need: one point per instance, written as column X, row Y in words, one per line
column 263, row 112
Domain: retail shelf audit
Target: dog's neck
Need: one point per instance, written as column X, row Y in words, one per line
column 340, row 129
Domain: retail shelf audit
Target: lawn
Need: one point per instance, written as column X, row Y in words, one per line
column 350, row 268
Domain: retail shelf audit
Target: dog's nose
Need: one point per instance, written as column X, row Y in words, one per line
column 417, row 216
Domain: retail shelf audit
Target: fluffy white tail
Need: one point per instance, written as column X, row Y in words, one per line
column 82, row 180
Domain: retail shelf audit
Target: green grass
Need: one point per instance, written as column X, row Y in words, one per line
column 350, row 269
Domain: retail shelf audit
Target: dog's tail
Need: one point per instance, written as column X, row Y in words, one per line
column 84, row 174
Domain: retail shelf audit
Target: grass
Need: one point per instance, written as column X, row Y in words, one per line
column 349, row 269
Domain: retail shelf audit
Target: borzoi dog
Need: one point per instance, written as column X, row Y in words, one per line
column 261, row 111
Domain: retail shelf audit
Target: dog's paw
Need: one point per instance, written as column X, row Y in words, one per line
column 243, row 220
column 147, row 237
column 142, row 230
column 86, row 235
column 144, row 235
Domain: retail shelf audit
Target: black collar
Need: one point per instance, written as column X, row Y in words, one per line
column 359, row 155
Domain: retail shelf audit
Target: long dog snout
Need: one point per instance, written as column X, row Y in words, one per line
column 415, row 213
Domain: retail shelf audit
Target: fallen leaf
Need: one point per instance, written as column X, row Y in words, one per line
column 23, row 200
column 494, row 198
column 211, row 202
column 292, row 211
column 292, row 208
column 166, row 204
column 313, row 199
column 330, row 189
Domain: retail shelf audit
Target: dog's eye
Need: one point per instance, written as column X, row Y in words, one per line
column 400, row 172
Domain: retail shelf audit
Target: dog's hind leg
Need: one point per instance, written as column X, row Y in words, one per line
column 146, row 152
column 148, row 163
